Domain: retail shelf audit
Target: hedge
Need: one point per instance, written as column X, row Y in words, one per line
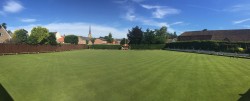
column 146, row 46
column 210, row 45
column 105, row 47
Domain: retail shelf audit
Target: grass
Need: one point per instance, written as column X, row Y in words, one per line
column 113, row 75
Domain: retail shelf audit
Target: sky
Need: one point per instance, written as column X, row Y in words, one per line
column 118, row 16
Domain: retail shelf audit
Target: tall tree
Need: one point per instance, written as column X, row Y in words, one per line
column 149, row 37
column 135, row 35
column 109, row 38
column 38, row 35
column 72, row 39
column 175, row 35
column 20, row 36
column 161, row 35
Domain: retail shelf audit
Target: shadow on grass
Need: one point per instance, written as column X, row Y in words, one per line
column 245, row 97
column 4, row 95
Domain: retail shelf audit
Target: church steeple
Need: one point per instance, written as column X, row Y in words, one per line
column 90, row 35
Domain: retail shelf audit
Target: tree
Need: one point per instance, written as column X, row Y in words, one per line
column 175, row 35
column 124, row 41
column 38, row 35
column 161, row 35
column 149, row 37
column 92, row 40
column 20, row 36
column 109, row 38
column 72, row 39
column 4, row 25
column 51, row 39
column 135, row 35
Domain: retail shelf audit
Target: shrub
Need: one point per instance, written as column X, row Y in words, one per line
column 72, row 39
column 147, row 46
column 105, row 46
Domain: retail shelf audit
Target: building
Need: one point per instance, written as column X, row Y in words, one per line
column 82, row 40
column 4, row 35
column 240, row 35
column 61, row 40
column 100, row 41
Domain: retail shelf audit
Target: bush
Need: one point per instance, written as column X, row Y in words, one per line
column 105, row 47
column 147, row 46
column 72, row 39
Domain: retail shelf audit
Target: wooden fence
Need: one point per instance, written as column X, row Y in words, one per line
column 24, row 48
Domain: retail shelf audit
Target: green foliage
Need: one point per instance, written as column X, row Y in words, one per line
column 172, row 35
column 241, row 50
column 105, row 46
column 72, row 39
column 124, row 41
column 147, row 46
column 109, row 38
column 93, row 40
column 20, row 36
column 87, row 42
column 135, row 35
column 149, row 37
column 161, row 35
column 51, row 39
column 38, row 35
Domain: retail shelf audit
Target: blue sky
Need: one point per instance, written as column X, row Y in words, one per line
column 117, row 16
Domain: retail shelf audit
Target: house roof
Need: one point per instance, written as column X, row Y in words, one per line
column 61, row 40
column 232, row 35
column 1, row 27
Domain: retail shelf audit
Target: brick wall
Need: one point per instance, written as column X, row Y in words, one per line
column 23, row 48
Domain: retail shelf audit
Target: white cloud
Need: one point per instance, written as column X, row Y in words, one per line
column 78, row 28
column 241, row 21
column 161, row 11
column 239, row 7
column 152, row 22
column 12, row 6
column 28, row 20
column 177, row 23
column 130, row 15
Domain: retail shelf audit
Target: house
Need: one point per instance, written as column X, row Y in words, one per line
column 100, row 41
column 116, row 41
column 4, row 35
column 82, row 40
column 171, row 40
column 240, row 35
column 61, row 40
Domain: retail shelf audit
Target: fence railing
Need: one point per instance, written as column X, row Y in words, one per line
column 24, row 48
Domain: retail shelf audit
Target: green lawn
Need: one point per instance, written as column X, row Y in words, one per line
column 112, row 75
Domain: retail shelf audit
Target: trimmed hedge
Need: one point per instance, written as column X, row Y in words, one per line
column 104, row 46
column 210, row 45
column 133, row 46
column 147, row 46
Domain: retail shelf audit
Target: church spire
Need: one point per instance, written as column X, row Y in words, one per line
column 90, row 35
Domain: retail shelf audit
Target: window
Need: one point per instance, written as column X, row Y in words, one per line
column 0, row 34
